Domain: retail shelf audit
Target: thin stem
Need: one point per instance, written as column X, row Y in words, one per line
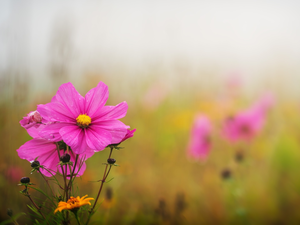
column 66, row 188
column 101, row 186
column 77, row 219
column 38, row 208
column 108, row 172
column 14, row 221
column 53, row 177
column 43, row 194
column 62, row 170
column 64, row 175
column 72, row 173
column 47, row 183
column 67, row 193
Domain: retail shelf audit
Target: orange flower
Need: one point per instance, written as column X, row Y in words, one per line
column 73, row 203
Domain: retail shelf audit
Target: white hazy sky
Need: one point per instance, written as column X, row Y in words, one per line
column 243, row 35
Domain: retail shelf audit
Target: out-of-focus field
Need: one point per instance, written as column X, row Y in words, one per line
column 156, row 182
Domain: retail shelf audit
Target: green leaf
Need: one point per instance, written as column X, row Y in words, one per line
column 12, row 219
column 109, row 180
column 33, row 209
column 43, row 194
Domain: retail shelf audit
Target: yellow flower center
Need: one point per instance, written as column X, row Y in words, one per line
column 83, row 120
column 73, row 203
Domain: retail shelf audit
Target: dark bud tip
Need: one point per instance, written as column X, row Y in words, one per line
column 9, row 212
column 25, row 180
column 65, row 158
column 35, row 164
column 239, row 156
column 226, row 174
column 111, row 161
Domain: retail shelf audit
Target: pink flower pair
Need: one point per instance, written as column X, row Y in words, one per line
column 83, row 123
column 247, row 124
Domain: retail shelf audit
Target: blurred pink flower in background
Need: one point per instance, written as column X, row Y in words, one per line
column 234, row 81
column 247, row 124
column 13, row 173
column 266, row 102
column 154, row 96
column 200, row 139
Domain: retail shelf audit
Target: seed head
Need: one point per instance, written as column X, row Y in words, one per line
column 65, row 158
column 9, row 212
column 111, row 161
column 35, row 164
column 226, row 174
column 25, row 180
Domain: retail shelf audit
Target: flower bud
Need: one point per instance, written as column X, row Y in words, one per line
column 35, row 164
column 35, row 116
column 65, row 158
column 226, row 174
column 239, row 156
column 111, row 161
column 9, row 212
column 33, row 119
column 25, row 180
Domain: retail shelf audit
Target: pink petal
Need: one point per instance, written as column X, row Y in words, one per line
column 74, row 136
column 51, row 131
column 34, row 131
column 49, row 161
column 97, row 138
column 111, row 112
column 117, row 129
column 44, row 150
column 129, row 134
column 70, row 98
column 87, row 154
column 199, row 143
column 56, row 111
column 95, row 99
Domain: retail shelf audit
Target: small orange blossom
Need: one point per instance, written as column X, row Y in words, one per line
column 73, row 203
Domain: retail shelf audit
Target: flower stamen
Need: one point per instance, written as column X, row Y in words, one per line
column 83, row 120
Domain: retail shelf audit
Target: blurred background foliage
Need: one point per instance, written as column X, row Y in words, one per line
column 156, row 183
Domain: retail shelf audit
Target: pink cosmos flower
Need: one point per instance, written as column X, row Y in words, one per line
column 48, row 156
column 199, row 144
column 83, row 123
column 245, row 125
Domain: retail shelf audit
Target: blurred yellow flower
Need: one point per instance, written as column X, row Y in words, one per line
column 73, row 203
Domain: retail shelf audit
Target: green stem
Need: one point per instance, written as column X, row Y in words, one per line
column 77, row 218
column 72, row 173
column 38, row 208
column 15, row 222
column 64, row 176
column 101, row 186
column 47, row 183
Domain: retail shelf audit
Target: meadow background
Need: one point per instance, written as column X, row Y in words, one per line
column 170, row 60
